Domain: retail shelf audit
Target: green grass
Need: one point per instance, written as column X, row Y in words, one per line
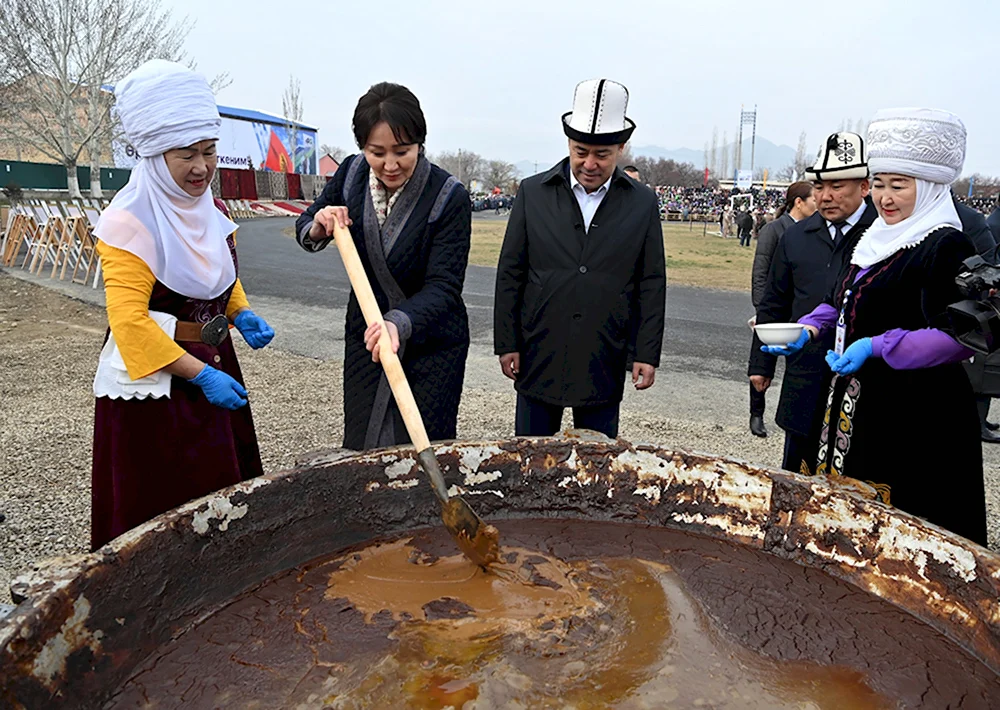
column 692, row 259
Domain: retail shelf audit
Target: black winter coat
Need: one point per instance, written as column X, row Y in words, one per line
column 873, row 410
column 984, row 370
column 417, row 280
column 564, row 295
column 993, row 223
column 804, row 270
column 977, row 230
column 767, row 242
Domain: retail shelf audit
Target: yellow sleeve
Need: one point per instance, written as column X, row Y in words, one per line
column 237, row 300
column 128, row 284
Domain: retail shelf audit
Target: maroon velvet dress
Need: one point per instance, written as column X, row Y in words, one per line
column 152, row 455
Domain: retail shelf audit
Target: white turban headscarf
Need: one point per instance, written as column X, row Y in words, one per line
column 929, row 146
column 163, row 105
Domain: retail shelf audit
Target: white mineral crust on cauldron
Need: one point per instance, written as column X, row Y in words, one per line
column 51, row 660
column 221, row 508
column 400, row 468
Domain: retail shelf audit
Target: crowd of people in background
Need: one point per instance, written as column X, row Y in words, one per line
column 498, row 203
column 980, row 203
column 712, row 201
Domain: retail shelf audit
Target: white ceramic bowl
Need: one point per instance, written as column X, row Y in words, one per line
column 778, row 333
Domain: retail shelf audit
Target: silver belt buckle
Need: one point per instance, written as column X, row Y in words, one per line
column 215, row 331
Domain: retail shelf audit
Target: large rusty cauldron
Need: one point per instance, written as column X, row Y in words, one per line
column 85, row 622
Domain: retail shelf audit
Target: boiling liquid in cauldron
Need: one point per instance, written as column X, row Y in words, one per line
column 577, row 615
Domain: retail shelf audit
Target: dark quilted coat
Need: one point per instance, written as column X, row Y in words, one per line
column 418, row 284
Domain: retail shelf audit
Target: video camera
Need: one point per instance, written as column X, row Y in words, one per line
column 976, row 320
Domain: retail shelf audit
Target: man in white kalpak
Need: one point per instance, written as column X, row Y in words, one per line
column 581, row 283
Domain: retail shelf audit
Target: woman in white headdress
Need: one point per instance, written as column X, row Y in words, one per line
column 172, row 421
column 901, row 411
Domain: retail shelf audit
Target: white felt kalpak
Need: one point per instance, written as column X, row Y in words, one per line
column 598, row 115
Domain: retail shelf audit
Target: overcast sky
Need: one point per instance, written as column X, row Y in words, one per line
column 495, row 76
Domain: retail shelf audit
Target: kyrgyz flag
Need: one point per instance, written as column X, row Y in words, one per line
column 278, row 159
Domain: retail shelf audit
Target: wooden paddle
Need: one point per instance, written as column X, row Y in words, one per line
column 479, row 541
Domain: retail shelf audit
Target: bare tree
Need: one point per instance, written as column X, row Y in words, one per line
column 786, row 174
column 713, row 152
column 724, row 161
column 662, row 171
column 61, row 54
column 499, row 173
column 626, row 157
column 334, row 151
column 291, row 109
column 141, row 33
column 463, row 164
column 220, row 82
column 802, row 160
column 982, row 185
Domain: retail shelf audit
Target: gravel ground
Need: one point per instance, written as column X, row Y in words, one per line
column 48, row 350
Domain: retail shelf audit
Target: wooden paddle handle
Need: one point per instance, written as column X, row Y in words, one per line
column 390, row 361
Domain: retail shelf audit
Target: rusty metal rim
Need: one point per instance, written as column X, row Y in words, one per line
column 942, row 579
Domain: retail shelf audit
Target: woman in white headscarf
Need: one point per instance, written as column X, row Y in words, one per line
column 172, row 421
column 901, row 413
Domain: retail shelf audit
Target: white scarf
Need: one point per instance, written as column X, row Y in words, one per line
column 934, row 208
column 181, row 238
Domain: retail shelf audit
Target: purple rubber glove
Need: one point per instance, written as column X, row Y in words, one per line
column 789, row 349
column 852, row 359
column 220, row 389
column 254, row 329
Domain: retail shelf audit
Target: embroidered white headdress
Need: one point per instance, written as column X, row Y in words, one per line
column 929, row 146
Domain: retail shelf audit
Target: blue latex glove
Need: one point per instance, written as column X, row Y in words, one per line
column 789, row 349
column 220, row 389
column 852, row 359
column 254, row 329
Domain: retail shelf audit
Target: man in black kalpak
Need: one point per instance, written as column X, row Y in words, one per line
column 804, row 268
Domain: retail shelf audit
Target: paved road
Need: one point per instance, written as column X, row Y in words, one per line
column 706, row 331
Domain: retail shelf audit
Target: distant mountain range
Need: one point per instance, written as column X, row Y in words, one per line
column 766, row 155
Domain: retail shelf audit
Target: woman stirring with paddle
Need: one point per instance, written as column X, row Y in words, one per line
column 411, row 223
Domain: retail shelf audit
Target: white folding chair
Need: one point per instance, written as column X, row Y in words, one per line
column 41, row 250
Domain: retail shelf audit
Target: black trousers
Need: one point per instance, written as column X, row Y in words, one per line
column 534, row 418
column 745, row 238
column 799, row 451
column 983, row 403
column 758, row 401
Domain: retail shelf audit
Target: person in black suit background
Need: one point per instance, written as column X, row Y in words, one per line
column 799, row 204
column 983, row 371
column 745, row 224
column 993, row 221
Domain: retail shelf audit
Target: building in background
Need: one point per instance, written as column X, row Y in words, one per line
column 328, row 165
column 252, row 140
